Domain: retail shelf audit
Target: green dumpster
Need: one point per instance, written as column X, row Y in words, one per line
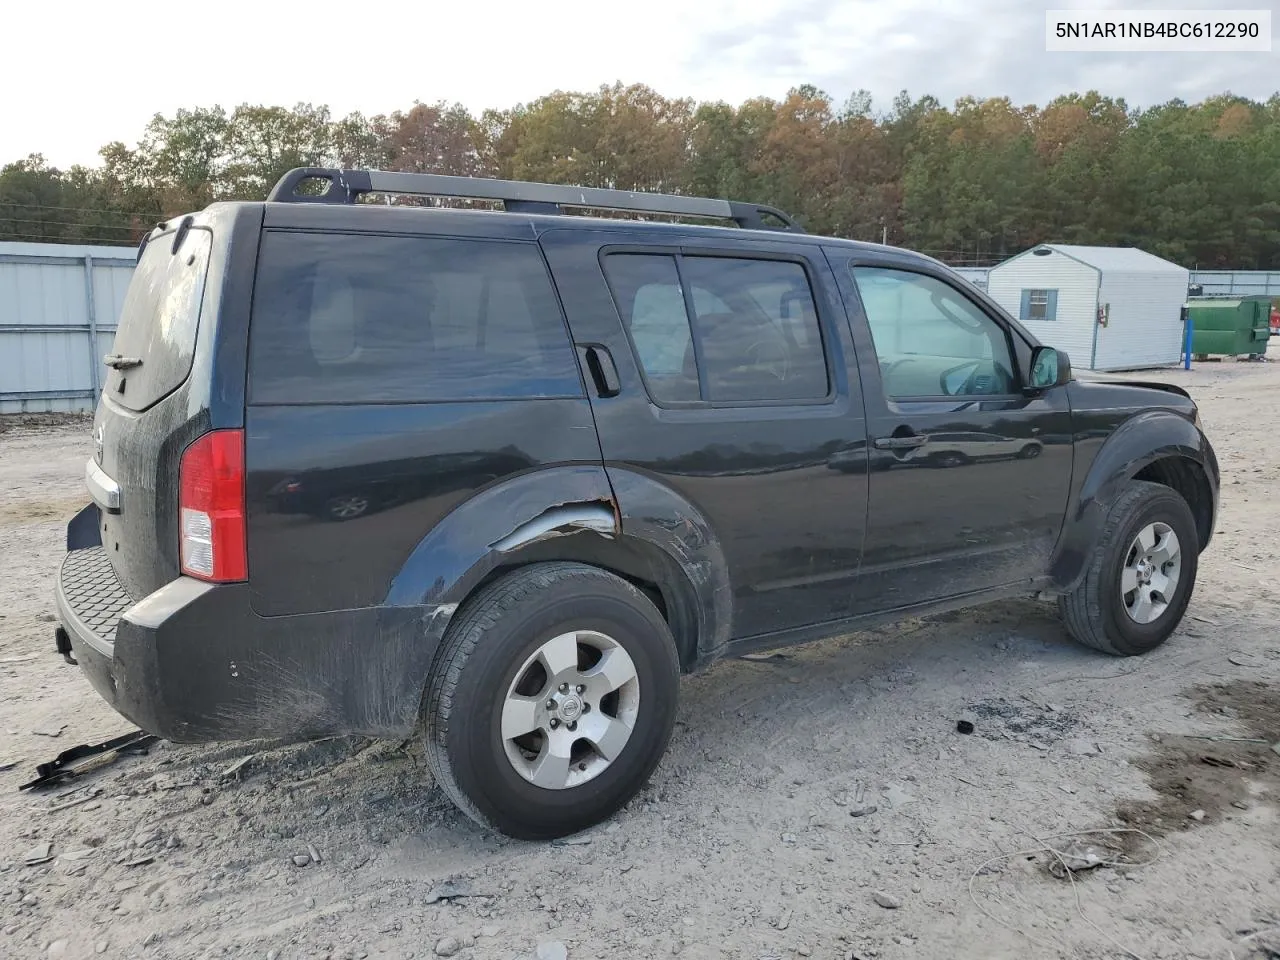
column 1229, row 326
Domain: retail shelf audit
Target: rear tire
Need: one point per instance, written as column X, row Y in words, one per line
column 516, row 675
column 1135, row 592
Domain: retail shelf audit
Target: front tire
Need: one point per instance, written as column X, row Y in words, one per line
column 553, row 700
column 1137, row 587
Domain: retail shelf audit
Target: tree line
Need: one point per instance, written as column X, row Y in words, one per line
column 1198, row 183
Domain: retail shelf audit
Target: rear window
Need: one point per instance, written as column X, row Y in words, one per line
column 368, row 319
column 160, row 318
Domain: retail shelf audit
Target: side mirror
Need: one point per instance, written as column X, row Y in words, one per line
column 1049, row 368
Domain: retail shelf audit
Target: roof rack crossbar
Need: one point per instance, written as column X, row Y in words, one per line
column 347, row 186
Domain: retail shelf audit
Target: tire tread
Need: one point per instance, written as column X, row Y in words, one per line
column 478, row 616
column 1081, row 609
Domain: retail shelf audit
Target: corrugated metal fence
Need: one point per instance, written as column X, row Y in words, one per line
column 1238, row 283
column 59, row 304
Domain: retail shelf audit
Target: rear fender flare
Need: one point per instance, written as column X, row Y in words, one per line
column 1136, row 444
column 480, row 534
column 638, row 528
column 655, row 514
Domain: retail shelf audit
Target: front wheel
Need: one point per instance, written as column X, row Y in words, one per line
column 553, row 700
column 1137, row 588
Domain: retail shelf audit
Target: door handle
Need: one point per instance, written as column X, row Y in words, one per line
column 900, row 443
column 604, row 373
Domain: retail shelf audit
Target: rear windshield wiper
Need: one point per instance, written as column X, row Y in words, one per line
column 117, row 361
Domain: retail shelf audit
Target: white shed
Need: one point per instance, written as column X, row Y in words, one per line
column 1108, row 308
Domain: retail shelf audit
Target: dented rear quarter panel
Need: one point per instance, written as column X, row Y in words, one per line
column 436, row 462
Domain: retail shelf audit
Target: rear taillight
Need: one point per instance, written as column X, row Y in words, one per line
column 211, row 507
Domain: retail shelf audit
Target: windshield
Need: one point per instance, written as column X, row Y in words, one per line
column 159, row 320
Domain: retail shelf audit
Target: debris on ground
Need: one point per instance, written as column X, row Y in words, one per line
column 450, row 890
column 1077, row 857
column 577, row 840
column 886, row 900
column 79, row 760
column 1023, row 719
column 41, row 853
column 552, row 950
column 964, row 726
column 897, row 795
column 1245, row 660
column 233, row 771
column 1081, row 748
column 87, row 795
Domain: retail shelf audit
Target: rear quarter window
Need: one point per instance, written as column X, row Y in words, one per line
column 345, row 318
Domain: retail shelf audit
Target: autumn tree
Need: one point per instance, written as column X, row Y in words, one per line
column 1198, row 183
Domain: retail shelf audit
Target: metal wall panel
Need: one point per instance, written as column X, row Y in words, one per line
column 1238, row 283
column 56, row 300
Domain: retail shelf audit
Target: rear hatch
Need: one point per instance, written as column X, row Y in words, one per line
column 149, row 410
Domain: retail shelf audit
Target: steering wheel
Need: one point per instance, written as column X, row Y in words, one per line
column 771, row 356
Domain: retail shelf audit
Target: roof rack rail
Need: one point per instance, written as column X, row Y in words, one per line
column 517, row 196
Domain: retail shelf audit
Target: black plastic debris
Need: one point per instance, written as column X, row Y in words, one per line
column 73, row 762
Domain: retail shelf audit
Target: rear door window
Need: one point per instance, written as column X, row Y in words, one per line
column 345, row 318
column 159, row 319
column 752, row 334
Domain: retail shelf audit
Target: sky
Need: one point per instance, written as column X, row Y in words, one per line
column 77, row 75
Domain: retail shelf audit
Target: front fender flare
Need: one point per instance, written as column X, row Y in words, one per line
column 1134, row 445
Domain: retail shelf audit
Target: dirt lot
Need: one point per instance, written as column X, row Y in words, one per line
column 755, row 839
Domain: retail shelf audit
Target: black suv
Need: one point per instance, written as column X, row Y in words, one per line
column 504, row 475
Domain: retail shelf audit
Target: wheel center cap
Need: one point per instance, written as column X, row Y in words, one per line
column 571, row 707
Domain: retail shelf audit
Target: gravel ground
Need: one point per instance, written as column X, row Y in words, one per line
column 820, row 803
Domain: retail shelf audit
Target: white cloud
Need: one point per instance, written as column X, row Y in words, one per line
column 78, row 75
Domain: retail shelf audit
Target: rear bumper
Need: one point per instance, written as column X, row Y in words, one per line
column 193, row 662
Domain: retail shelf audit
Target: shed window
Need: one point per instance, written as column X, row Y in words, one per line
column 1039, row 305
